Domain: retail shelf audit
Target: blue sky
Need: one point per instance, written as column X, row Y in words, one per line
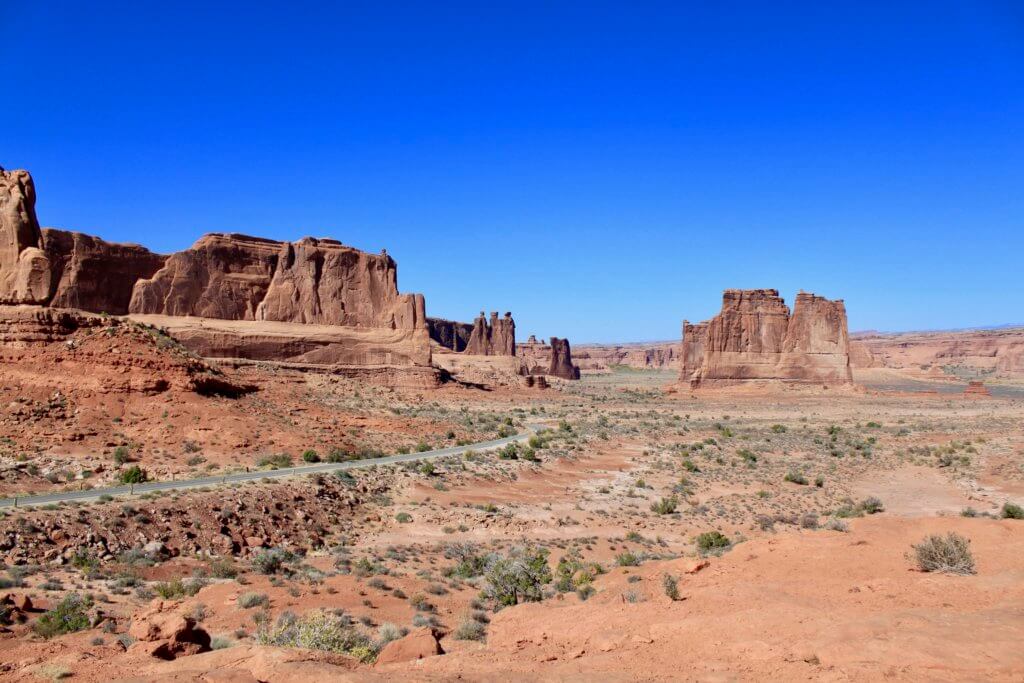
column 602, row 170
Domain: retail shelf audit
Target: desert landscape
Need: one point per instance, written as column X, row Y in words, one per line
column 256, row 460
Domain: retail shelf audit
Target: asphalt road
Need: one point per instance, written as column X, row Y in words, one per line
column 224, row 479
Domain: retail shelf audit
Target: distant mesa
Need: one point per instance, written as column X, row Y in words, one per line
column 756, row 338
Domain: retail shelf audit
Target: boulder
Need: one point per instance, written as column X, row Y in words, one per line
column 167, row 635
column 420, row 643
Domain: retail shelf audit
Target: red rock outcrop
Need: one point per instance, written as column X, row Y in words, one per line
column 24, row 267
column 93, row 275
column 165, row 634
column 494, row 338
column 419, row 643
column 561, row 360
column 993, row 353
column 755, row 338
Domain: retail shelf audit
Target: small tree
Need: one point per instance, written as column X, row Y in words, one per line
column 133, row 475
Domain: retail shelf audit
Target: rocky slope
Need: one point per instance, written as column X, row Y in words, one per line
column 755, row 337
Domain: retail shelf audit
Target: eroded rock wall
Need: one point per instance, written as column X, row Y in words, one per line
column 450, row 334
column 561, row 360
column 494, row 338
column 755, row 337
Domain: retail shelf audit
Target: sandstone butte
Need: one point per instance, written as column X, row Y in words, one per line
column 756, row 338
column 553, row 359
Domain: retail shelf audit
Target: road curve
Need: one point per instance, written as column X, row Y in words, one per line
column 221, row 480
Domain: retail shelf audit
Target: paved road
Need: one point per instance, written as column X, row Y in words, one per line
column 220, row 480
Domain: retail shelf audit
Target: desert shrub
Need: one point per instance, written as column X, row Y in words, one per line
column 272, row 560
column 712, row 541
column 275, row 462
column 221, row 643
column 809, row 520
column 572, row 572
column 627, row 559
column 670, row 585
column 765, row 522
column 778, row 429
column 310, row 456
column 132, row 475
column 470, row 629
column 518, row 577
column 665, row 506
column 968, row 512
column 795, row 478
column 950, row 554
column 403, row 518
column 251, row 599
column 177, row 588
column 469, row 562
column 427, row 469
column 1012, row 511
column 318, row 630
column 68, row 616
column 121, row 455
column 634, row 596
column 837, row 525
column 223, row 569
column 388, row 632
column 871, row 505
column 584, row 592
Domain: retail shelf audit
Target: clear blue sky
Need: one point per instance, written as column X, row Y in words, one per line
column 602, row 170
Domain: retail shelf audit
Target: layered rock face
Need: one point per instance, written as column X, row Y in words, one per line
column 755, row 337
column 642, row 356
column 561, row 360
column 494, row 338
column 93, row 275
column 450, row 334
column 310, row 282
column 319, row 283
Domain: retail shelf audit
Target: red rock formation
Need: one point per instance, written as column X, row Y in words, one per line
column 561, row 360
column 642, row 356
column 755, row 338
column 497, row 338
column 93, row 275
column 450, row 334
column 24, row 267
column 227, row 277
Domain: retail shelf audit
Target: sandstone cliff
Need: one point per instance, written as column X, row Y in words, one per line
column 229, row 277
column 641, row 356
column 755, row 337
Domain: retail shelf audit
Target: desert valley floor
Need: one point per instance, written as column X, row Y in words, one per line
column 689, row 535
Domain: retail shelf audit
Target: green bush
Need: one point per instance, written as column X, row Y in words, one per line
column 275, row 462
column 132, row 475
column 68, row 616
column 310, row 456
column 665, row 506
column 403, row 518
column 272, row 560
column 711, row 541
column 1012, row 511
